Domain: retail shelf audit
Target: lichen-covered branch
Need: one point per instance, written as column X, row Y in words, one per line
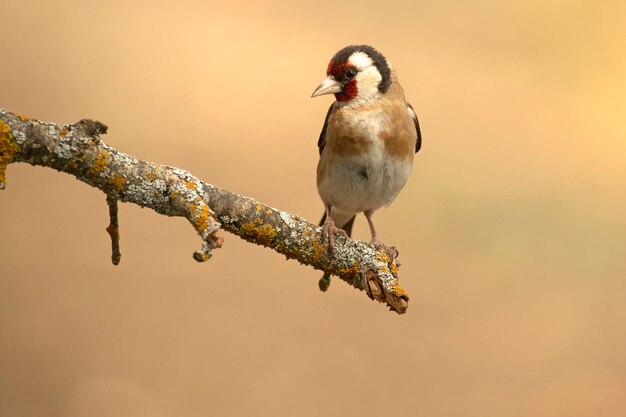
column 77, row 149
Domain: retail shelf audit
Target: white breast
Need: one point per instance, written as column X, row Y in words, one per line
column 368, row 181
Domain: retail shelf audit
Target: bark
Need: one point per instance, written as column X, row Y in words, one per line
column 78, row 149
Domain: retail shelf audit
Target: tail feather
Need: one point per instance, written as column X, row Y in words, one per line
column 324, row 282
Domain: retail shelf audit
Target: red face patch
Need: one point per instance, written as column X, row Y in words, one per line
column 349, row 92
column 338, row 70
column 334, row 68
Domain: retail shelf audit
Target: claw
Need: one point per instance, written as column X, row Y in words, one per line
column 330, row 230
column 390, row 250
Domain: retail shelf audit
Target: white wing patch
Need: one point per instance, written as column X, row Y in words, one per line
column 411, row 112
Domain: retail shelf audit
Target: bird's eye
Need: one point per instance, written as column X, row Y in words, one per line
column 350, row 74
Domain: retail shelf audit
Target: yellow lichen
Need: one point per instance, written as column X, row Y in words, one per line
column 70, row 165
column 388, row 267
column 400, row 292
column 63, row 132
column 73, row 164
column 383, row 257
column 258, row 232
column 319, row 249
column 347, row 273
column 118, row 182
column 259, row 207
column 101, row 163
column 199, row 216
column 202, row 256
column 8, row 149
column 151, row 175
column 191, row 184
column 22, row 117
column 288, row 250
column 268, row 211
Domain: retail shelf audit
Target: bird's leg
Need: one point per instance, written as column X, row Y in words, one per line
column 330, row 230
column 378, row 244
column 375, row 240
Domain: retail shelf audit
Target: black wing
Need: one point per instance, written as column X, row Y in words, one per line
column 322, row 140
column 418, row 144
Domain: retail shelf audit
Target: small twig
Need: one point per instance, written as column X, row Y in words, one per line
column 114, row 230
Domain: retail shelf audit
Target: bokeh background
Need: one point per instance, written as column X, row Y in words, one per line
column 512, row 229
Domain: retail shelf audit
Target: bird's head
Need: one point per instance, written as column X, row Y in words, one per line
column 356, row 73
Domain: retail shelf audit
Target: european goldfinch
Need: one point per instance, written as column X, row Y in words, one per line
column 367, row 143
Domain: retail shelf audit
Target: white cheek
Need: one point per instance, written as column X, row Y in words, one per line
column 367, row 83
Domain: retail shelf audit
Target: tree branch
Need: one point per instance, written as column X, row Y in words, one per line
column 77, row 149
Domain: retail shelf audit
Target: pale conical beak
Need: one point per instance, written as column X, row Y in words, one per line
column 329, row 86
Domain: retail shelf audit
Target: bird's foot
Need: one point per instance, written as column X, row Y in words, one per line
column 330, row 230
column 389, row 250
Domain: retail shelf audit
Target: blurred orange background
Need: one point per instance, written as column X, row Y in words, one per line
column 512, row 229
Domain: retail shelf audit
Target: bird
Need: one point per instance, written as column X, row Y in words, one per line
column 367, row 144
